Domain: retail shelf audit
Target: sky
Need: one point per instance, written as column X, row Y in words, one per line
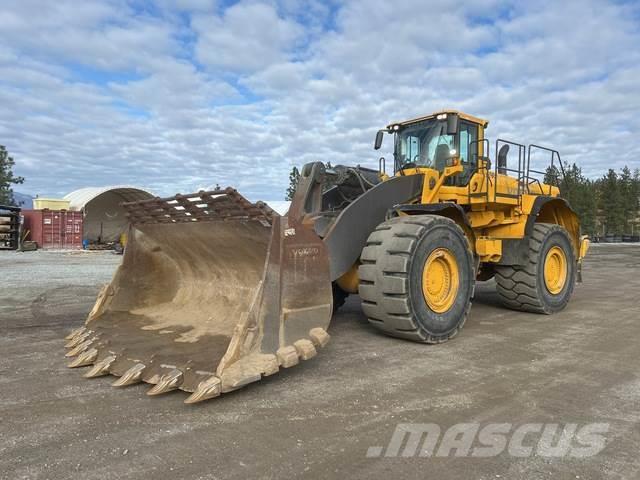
column 175, row 96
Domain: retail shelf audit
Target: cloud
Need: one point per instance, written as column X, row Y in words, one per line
column 246, row 38
column 175, row 95
column 104, row 35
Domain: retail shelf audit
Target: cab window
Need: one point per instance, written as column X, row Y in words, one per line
column 468, row 134
column 425, row 145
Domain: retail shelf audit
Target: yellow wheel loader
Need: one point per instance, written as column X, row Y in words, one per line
column 215, row 292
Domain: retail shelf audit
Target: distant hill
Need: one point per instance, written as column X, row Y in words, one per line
column 23, row 200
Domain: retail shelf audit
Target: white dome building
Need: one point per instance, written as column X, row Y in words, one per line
column 104, row 218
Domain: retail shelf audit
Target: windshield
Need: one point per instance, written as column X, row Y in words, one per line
column 425, row 144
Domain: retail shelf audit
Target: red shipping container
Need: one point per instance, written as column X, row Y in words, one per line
column 54, row 228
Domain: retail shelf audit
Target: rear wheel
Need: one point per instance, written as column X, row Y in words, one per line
column 417, row 278
column 545, row 283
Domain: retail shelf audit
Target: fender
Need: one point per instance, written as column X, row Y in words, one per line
column 540, row 202
column 556, row 210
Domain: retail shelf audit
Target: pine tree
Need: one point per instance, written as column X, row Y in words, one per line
column 294, row 177
column 629, row 200
column 579, row 192
column 552, row 176
column 634, row 202
column 7, row 178
column 612, row 203
column 587, row 201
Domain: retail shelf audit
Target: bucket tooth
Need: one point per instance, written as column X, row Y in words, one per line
column 101, row 368
column 272, row 366
column 305, row 349
column 319, row 337
column 75, row 332
column 167, row 382
column 131, row 376
column 78, row 339
column 79, row 348
column 84, row 359
column 209, row 388
column 287, row 356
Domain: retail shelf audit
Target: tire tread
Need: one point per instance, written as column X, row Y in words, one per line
column 517, row 285
column 385, row 278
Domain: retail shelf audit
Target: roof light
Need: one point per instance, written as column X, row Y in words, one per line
column 442, row 116
column 396, row 127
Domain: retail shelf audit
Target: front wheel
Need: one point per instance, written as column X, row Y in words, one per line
column 417, row 278
column 545, row 283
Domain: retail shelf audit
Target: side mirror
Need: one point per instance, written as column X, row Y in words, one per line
column 452, row 124
column 378, row 142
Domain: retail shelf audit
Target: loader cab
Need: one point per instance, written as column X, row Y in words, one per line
column 437, row 141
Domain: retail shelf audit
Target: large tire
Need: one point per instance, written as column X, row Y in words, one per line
column 525, row 288
column 391, row 278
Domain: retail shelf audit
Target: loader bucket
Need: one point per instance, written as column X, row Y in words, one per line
column 213, row 293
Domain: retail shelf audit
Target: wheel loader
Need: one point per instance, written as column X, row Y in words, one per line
column 214, row 292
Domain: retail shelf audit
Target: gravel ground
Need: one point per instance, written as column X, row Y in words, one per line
column 319, row 419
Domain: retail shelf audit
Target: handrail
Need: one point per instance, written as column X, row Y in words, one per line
column 554, row 154
column 521, row 165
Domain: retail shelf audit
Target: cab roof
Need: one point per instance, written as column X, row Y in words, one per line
column 462, row 115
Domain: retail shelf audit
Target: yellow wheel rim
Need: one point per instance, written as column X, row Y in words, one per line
column 440, row 280
column 555, row 270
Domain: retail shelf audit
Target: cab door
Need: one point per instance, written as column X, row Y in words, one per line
column 467, row 133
